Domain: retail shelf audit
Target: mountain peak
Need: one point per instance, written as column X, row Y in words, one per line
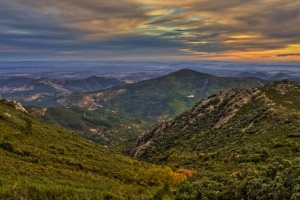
column 190, row 72
column 186, row 70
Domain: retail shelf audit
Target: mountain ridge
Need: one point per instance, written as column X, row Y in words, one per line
column 166, row 95
column 222, row 108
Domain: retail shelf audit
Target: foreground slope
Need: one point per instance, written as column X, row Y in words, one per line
column 241, row 143
column 40, row 161
column 167, row 95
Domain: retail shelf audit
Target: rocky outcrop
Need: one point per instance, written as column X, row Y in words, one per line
column 18, row 106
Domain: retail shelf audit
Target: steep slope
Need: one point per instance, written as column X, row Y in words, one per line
column 167, row 95
column 31, row 90
column 40, row 161
column 231, row 140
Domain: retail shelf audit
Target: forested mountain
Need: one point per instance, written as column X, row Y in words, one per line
column 243, row 143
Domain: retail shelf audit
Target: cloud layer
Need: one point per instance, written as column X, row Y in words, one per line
column 150, row 29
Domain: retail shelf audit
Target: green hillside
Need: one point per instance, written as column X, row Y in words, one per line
column 242, row 144
column 41, row 161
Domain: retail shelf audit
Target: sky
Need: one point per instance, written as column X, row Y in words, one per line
column 237, row 30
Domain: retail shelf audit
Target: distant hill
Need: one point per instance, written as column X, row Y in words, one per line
column 26, row 89
column 265, row 76
column 240, row 143
column 15, row 82
column 42, row 161
column 280, row 76
column 168, row 95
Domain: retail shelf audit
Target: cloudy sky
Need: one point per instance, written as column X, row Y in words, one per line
column 247, row 30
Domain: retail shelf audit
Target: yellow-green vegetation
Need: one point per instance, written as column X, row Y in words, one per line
column 241, row 144
column 41, row 161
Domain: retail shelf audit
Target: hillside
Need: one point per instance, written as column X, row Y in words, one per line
column 242, row 144
column 29, row 90
column 101, row 126
column 168, row 95
column 41, row 161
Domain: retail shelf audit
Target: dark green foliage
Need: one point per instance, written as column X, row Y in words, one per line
column 201, row 189
column 7, row 146
column 280, row 180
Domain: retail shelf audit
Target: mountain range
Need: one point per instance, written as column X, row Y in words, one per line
column 118, row 115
